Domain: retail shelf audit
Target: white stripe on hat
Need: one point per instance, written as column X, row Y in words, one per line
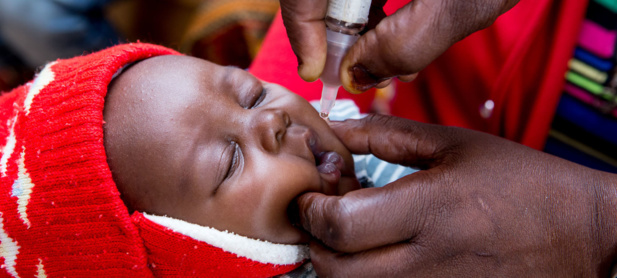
column 254, row 249
column 8, row 250
column 41, row 80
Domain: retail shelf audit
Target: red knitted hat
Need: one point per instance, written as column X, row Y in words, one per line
column 60, row 211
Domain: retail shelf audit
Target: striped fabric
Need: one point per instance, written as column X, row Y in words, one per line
column 584, row 129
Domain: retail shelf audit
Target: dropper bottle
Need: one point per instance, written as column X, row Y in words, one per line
column 344, row 20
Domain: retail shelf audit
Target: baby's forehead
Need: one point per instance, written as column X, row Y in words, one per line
column 145, row 96
column 182, row 71
column 175, row 87
column 173, row 69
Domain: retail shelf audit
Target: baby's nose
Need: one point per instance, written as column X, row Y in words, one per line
column 271, row 126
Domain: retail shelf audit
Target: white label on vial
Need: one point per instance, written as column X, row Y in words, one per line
column 352, row 11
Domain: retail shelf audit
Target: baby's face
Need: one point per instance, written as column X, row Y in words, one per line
column 215, row 146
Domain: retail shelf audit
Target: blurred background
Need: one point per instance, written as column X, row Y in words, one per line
column 230, row 32
column 34, row 32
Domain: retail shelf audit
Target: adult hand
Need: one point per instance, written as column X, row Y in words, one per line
column 400, row 45
column 481, row 206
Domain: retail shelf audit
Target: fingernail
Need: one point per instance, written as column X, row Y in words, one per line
column 363, row 79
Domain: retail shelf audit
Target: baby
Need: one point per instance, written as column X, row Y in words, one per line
column 186, row 138
column 188, row 151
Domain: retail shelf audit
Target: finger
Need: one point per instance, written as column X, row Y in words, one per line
column 389, row 261
column 405, row 259
column 408, row 40
column 371, row 217
column 408, row 78
column 392, row 48
column 306, row 29
column 396, row 140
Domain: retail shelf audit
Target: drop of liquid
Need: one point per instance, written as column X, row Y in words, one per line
column 324, row 116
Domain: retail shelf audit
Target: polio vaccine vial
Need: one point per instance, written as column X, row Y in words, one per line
column 344, row 20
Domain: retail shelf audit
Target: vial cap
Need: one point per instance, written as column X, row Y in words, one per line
column 352, row 11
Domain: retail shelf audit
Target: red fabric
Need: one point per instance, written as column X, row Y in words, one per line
column 518, row 62
column 61, row 212
column 171, row 254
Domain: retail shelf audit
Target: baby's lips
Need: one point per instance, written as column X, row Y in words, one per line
column 333, row 158
column 330, row 177
column 329, row 169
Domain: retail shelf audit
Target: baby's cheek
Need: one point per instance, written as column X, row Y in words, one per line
column 283, row 188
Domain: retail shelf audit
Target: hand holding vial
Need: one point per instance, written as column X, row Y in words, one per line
column 400, row 45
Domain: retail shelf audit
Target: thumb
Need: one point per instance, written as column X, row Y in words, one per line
column 372, row 217
column 306, row 30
